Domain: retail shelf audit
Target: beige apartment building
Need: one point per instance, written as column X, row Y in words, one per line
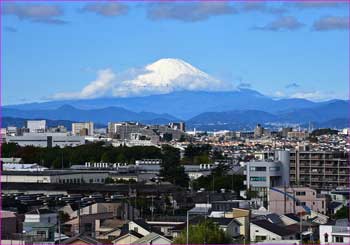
column 319, row 170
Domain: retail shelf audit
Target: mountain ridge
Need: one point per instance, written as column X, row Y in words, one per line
column 183, row 104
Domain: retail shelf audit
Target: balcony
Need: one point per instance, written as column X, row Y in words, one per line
column 331, row 173
column 341, row 229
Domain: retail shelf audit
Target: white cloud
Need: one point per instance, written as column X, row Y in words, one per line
column 279, row 94
column 163, row 76
column 318, row 95
column 309, row 95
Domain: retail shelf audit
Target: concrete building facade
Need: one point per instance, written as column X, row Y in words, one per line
column 303, row 196
column 319, row 170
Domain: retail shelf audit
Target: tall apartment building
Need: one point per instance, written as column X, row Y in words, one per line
column 319, row 169
column 83, row 128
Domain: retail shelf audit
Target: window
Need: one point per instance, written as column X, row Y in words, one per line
column 257, row 178
column 326, row 237
column 339, row 239
column 275, row 168
column 260, row 238
column 300, row 193
column 258, row 169
column 41, row 233
column 300, row 203
column 88, row 227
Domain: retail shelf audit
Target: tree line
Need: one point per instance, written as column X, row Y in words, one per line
column 56, row 158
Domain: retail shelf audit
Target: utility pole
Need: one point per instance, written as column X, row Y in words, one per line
column 152, row 208
column 213, row 182
column 187, row 226
column 301, row 227
column 59, row 230
column 285, row 199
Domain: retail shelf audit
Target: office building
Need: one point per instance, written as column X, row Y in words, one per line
column 36, row 126
column 263, row 174
column 46, row 140
column 54, row 176
column 123, row 130
column 258, row 131
column 83, row 128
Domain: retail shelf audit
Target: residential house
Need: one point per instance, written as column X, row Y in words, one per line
column 153, row 238
column 230, row 226
column 40, row 224
column 81, row 239
column 243, row 217
column 264, row 230
column 335, row 232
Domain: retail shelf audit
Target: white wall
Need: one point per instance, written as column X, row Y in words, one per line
column 258, row 231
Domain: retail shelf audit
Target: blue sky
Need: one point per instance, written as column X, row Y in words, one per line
column 280, row 49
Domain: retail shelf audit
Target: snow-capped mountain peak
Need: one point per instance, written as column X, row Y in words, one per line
column 163, row 76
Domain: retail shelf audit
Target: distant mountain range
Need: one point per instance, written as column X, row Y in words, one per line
column 210, row 110
column 102, row 116
column 183, row 105
column 332, row 114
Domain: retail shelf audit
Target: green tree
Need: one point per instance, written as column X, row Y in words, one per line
column 342, row 213
column 109, row 180
column 171, row 169
column 219, row 179
column 205, row 232
column 252, row 194
column 64, row 217
column 167, row 137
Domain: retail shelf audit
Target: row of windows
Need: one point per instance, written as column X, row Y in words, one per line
column 257, row 178
column 77, row 181
column 263, row 169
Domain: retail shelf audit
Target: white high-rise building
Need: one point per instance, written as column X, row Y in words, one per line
column 36, row 126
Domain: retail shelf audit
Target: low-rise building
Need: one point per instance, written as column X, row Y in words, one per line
column 337, row 232
column 46, row 140
column 54, row 176
column 41, row 223
column 296, row 200
column 263, row 230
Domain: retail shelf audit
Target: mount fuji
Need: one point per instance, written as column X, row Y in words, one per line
column 172, row 89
